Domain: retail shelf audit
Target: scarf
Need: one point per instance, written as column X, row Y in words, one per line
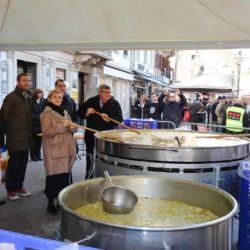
column 56, row 108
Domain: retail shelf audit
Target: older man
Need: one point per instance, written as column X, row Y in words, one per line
column 16, row 115
column 108, row 107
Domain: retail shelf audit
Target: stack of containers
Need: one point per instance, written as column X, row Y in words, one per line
column 141, row 123
column 244, row 221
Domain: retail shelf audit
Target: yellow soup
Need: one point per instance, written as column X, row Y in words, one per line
column 151, row 213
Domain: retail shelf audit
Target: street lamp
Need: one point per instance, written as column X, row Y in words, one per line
column 238, row 61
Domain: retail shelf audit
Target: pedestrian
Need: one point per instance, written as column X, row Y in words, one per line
column 142, row 106
column 58, row 146
column 108, row 107
column 236, row 119
column 38, row 105
column 220, row 113
column 153, row 107
column 171, row 108
column 67, row 103
column 16, row 115
column 2, row 202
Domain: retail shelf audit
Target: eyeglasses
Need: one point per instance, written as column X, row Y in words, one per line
column 62, row 85
column 172, row 96
column 106, row 92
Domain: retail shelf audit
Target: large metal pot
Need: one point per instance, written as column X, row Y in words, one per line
column 216, row 234
column 211, row 161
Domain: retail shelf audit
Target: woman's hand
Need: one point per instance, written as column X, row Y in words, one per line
column 67, row 123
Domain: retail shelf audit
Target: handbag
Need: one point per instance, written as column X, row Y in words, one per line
column 186, row 117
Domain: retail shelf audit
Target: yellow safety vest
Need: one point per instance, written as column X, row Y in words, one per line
column 234, row 118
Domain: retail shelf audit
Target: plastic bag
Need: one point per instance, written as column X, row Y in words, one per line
column 244, row 170
column 3, row 166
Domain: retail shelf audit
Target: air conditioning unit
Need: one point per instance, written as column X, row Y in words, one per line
column 141, row 67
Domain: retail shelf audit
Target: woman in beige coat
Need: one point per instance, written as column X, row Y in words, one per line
column 59, row 148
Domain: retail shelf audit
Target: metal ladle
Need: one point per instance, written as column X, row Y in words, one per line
column 116, row 199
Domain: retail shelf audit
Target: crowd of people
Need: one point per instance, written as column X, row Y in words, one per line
column 29, row 122
column 172, row 106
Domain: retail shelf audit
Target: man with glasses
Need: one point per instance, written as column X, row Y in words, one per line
column 105, row 104
column 171, row 107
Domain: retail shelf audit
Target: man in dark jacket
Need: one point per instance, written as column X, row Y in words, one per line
column 16, row 115
column 108, row 107
column 171, row 108
column 67, row 103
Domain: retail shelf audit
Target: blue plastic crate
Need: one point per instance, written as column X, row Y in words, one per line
column 244, row 214
column 244, row 193
column 141, row 123
column 244, row 240
column 23, row 241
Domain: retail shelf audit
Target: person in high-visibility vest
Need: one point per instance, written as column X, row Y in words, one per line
column 236, row 118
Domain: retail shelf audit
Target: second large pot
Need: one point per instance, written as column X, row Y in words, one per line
column 216, row 234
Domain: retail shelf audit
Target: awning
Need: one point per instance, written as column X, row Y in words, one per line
column 206, row 84
column 148, row 79
column 117, row 73
column 118, row 24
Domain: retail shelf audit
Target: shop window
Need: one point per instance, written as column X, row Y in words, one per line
column 30, row 68
column 60, row 73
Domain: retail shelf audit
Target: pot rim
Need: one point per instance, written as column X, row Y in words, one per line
column 157, row 229
column 99, row 137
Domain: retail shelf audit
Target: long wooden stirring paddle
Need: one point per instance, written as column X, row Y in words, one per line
column 96, row 131
column 119, row 123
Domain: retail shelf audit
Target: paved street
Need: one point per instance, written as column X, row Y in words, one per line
column 28, row 215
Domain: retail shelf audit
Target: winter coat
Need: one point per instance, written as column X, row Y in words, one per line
column 172, row 111
column 36, row 110
column 16, row 115
column 59, row 149
column 112, row 108
column 2, row 141
column 69, row 104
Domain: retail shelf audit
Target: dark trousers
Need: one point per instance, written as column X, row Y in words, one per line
column 90, row 144
column 55, row 183
column 35, row 152
column 16, row 169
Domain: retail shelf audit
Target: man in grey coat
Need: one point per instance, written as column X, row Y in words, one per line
column 16, row 115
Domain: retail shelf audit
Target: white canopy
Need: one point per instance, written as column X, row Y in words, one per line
column 120, row 24
column 206, row 84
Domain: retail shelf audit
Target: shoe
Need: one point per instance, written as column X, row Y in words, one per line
column 12, row 195
column 40, row 159
column 23, row 192
column 2, row 202
column 52, row 208
column 34, row 159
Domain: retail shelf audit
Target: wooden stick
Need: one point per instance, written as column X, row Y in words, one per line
column 222, row 136
column 96, row 131
column 119, row 123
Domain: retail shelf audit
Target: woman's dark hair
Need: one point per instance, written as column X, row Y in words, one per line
column 36, row 92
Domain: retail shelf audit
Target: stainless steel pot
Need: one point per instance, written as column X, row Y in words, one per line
column 211, row 161
column 216, row 234
column 205, row 150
